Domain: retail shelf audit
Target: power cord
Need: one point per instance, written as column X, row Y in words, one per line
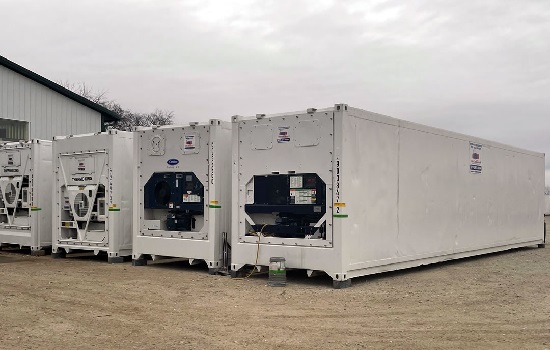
column 259, row 235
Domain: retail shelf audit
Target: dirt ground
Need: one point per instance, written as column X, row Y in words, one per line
column 500, row 301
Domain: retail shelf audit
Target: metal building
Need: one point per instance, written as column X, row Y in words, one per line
column 33, row 107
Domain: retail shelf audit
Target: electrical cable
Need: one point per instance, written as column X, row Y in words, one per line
column 259, row 234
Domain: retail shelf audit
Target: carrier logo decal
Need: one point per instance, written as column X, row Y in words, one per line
column 475, row 158
column 83, row 178
column 283, row 135
column 11, row 170
column 173, row 161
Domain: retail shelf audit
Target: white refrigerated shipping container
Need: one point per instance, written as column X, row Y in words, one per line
column 183, row 193
column 352, row 193
column 92, row 194
column 25, row 194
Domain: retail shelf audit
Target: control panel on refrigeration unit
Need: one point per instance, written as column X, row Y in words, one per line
column 180, row 193
column 296, row 203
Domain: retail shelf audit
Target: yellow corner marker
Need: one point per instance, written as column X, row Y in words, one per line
column 341, row 205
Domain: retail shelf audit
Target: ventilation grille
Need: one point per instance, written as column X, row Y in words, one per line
column 81, row 205
column 10, row 194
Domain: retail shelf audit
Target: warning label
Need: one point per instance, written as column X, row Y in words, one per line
column 191, row 198
column 283, row 135
column 189, row 141
column 296, row 182
column 81, row 164
column 475, row 158
column 303, row 196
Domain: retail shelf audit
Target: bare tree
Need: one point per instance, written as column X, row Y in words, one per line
column 96, row 96
column 128, row 119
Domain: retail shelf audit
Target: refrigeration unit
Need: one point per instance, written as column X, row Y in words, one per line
column 92, row 194
column 183, row 188
column 352, row 193
column 25, row 194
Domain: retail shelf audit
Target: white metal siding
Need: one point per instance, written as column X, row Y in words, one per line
column 405, row 192
column 48, row 112
column 370, row 177
column 410, row 194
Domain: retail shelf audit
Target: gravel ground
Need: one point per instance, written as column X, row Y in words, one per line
column 499, row 301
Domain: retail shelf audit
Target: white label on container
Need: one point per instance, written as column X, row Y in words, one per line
column 189, row 142
column 304, row 196
column 296, row 182
column 191, row 198
column 66, row 203
column 284, row 135
column 475, row 158
column 81, row 164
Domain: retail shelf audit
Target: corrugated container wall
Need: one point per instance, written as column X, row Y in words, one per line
column 47, row 112
column 353, row 193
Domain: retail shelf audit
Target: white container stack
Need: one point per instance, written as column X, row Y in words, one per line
column 183, row 193
column 92, row 194
column 352, row 193
column 340, row 191
column 25, row 194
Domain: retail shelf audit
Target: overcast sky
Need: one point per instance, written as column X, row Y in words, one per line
column 476, row 67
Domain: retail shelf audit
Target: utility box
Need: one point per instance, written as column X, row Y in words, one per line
column 352, row 193
column 92, row 194
column 25, row 194
column 183, row 188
